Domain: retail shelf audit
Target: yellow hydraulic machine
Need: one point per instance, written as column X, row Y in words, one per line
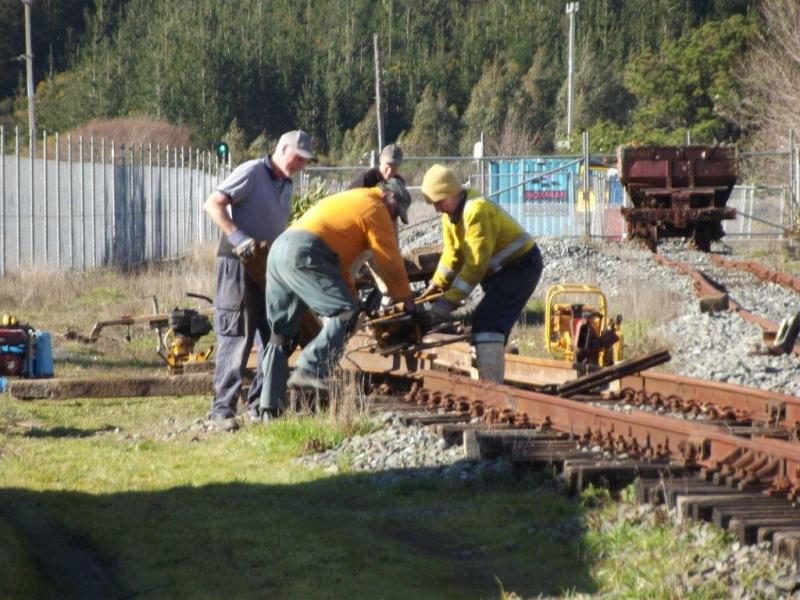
column 577, row 327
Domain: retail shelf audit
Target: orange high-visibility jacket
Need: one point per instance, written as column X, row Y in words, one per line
column 353, row 221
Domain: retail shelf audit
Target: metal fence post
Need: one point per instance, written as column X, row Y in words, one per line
column 71, row 204
column 586, row 215
column 168, row 205
column 152, row 245
column 3, row 199
column 104, row 169
column 112, row 258
column 792, row 177
column 19, row 201
column 31, row 191
column 46, row 201
column 93, row 246
column 58, row 203
column 83, row 204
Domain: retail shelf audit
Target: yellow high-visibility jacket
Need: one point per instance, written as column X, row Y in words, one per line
column 481, row 243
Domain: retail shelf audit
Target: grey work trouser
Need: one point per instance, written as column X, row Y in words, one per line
column 240, row 318
column 303, row 272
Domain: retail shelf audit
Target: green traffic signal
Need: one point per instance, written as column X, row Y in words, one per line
column 222, row 150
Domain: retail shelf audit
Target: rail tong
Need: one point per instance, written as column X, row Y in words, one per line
column 606, row 375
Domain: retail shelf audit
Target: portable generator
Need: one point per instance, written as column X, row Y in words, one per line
column 579, row 332
column 186, row 327
column 24, row 351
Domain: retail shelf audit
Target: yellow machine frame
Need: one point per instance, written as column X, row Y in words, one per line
column 603, row 347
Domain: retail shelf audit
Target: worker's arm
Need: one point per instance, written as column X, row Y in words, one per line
column 382, row 240
column 216, row 206
column 480, row 236
column 449, row 262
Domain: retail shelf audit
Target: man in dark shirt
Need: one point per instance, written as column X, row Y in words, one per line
column 389, row 166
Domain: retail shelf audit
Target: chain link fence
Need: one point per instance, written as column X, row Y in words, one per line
column 87, row 203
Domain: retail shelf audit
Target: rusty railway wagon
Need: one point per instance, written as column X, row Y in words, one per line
column 677, row 192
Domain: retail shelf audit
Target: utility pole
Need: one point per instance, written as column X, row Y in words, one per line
column 378, row 111
column 572, row 8
column 29, row 66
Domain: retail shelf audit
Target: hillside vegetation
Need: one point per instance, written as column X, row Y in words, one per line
column 646, row 71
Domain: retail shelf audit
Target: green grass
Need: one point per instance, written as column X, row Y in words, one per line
column 122, row 497
column 170, row 510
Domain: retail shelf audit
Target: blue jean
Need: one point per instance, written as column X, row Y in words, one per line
column 302, row 273
column 505, row 295
column 240, row 319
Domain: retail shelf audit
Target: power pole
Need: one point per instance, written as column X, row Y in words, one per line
column 378, row 111
column 29, row 66
column 572, row 8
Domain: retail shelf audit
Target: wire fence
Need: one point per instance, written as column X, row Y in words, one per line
column 78, row 203
column 75, row 203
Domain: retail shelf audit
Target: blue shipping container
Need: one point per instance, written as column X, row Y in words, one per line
column 537, row 192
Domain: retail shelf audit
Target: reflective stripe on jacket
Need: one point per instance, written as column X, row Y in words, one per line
column 484, row 239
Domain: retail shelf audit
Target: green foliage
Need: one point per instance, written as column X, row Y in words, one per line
column 488, row 103
column 594, row 497
column 361, row 139
column 272, row 66
column 235, row 139
column 317, row 190
column 689, row 85
column 435, row 129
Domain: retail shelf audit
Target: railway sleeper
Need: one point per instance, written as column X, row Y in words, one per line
column 786, row 542
column 746, row 528
column 751, row 516
column 722, row 515
column 667, row 490
column 614, row 475
column 518, row 443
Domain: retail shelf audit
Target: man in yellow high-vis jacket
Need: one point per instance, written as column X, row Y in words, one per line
column 482, row 245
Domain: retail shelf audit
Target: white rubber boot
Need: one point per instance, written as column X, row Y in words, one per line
column 490, row 360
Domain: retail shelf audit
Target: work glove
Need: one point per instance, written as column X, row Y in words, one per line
column 244, row 247
column 408, row 305
column 440, row 311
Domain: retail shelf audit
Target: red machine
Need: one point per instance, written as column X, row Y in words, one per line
column 15, row 349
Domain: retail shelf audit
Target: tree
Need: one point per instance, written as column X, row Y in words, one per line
column 690, row 85
column 771, row 77
column 435, row 128
column 488, row 104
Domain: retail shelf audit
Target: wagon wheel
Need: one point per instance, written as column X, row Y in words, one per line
column 702, row 237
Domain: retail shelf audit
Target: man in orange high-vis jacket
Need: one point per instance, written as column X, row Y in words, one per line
column 309, row 267
column 482, row 245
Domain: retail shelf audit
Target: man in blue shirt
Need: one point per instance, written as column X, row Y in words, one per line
column 251, row 208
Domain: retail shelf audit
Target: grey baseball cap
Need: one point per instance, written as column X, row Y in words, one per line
column 398, row 189
column 299, row 141
column 392, row 155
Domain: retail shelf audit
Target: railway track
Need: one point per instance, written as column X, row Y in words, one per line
column 714, row 451
column 760, row 295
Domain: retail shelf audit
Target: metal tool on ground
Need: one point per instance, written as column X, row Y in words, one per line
column 606, row 375
column 176, row 346
column 155, row 321
column 177, row 332
column 578, row 332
